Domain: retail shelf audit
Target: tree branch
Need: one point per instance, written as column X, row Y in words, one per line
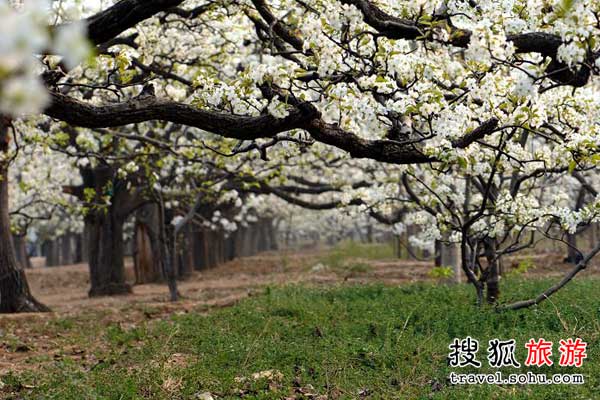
column 581, row 265
column 543, row 43
column 125, row 14
column 78, row 113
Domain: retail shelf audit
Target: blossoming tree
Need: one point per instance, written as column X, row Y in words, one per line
column 474, row 87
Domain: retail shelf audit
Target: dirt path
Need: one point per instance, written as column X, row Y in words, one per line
column 65, row 288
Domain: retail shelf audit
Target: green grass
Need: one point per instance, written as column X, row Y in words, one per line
column 344, row 342
column 347, row 251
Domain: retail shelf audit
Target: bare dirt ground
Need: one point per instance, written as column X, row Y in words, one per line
column 29, row 340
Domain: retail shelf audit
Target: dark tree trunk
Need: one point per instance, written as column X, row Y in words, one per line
column 493, row 271
column 240, row 242
column 255, row 235
column 200, row 254
column 78, row 248
column 85, row 244
column 104, row 228
column 369, row 235
column 198, row 250
column 146, row 264
column 21, row 251
column 147, row 253
column 186, row 254
column 411, row 230
column 67, row 249
column 209, row 248
column 573, row 254
column 264, row 243
column 439, row 248
column 273, row 227
column 230, row 247
column 14, row 290
column 181, row 250
column 51, row 253
column 106, row 252
column 220, row 248
column 167, row 240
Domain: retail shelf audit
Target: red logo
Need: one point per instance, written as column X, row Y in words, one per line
column 572, row 353
column 538, row 353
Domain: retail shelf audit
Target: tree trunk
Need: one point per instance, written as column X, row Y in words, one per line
column 369, row 236
column 200, row 250
column 255, row 232
column 413, row 253
column 20, row 243
column 51, row 253
column 220, row 247
column 85, row 245
column 167, row 231
column 14, row 290
column 261, row 233
column 573, row 255
column 106, row 252
column 67, row 249
column 447, row 255
column 147, row 253
column 184, row 255
column 78, row 248
column 272, row 231
column 493, row 271
column 146, row 264
column 230, row 247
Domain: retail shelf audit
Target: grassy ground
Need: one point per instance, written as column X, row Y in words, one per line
column 298, row 342
column 347, row 251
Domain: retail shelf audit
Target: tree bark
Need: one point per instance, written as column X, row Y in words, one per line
column 187, row 256
column 104, row 228
column 106, row 252
column 272, row 231
column 493, row 271
column 67, row 249
column 51, row 253
column 20, row 243
column 573, row 255
column 78, row 248
column 166, row 232
column 85, row 245
column 14, row 289
column 147, row 254
column 201, row 254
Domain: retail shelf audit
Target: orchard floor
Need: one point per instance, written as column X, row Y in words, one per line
column 76, row 331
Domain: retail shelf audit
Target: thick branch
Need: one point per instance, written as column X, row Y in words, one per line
column 111, row 22
column 387, row 150
column 400, row 28
column 191, row 13
column 278, row 27
column 476, row 134
column 545, row 44
column 380, row 150
column 306, row 204
column 78, row 113
column 388, row 25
